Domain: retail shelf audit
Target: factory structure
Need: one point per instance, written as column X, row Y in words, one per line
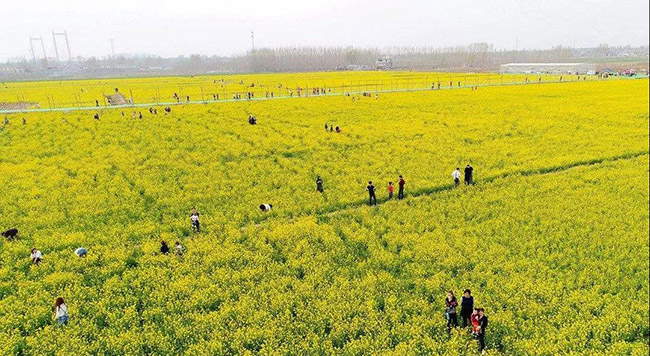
column 550, row 68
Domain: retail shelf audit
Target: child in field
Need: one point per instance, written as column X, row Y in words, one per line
column 179, row 249
column 319, row 184
column 474, row 320
column 391, row 188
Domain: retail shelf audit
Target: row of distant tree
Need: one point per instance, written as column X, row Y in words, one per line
column 474, row 57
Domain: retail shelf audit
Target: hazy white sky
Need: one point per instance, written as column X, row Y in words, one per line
column 171, row 28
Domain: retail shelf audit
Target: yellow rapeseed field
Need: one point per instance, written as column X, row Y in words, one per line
column 552, row 239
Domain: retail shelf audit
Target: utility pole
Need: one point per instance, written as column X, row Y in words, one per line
column 64, row 34
column 31, row 44
column 56, row 49
column 67, row 44
column 253, row 40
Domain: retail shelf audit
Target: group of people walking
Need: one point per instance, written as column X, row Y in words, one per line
column 473, row 317
column 469, row 175
column 372, row 195
column 332, row 128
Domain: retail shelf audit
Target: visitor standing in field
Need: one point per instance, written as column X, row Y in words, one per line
column 179, row 249
column 194, row 219
column 164, row 249
column 482, row 325
column 319, row 184
column 60, row 311
column 401, row 183
column 450, row 306
column 371, row 193
column 466, row 307
column 469, row 175
column 456, row 175
column 391, row 188
column 36, row 256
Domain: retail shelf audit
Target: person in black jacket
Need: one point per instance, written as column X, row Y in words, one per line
column 371, row 192
column 466, row 307
column 164, row 249
column 469, row 171
column 319, row 184
column 483, row 323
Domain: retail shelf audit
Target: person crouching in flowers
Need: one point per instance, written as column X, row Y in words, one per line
column 36, row 256
column 61, row 311
column 164, row 248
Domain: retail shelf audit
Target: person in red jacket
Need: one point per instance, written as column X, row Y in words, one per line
column 474, row 320
column 390, row 190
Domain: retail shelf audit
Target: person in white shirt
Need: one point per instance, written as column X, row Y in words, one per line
column 456, row 176
column 266, row 207
column 194, row 219
column 61, row 311
column 179, row 249
column 36, row 256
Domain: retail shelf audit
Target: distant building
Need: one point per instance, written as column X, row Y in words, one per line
column 384, row 63
column 551, row 68
column 357, row 67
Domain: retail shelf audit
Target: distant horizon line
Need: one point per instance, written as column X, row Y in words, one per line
column 14, row 59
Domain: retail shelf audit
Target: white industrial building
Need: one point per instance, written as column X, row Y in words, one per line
column 553, row 68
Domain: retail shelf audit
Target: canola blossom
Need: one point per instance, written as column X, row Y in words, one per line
column 552, row 239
